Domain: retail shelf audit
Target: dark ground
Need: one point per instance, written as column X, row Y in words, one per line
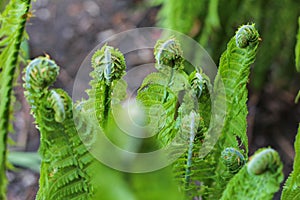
column 68, row 30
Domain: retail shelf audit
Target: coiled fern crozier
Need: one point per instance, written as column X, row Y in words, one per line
column 12, row 24
column 183, row 110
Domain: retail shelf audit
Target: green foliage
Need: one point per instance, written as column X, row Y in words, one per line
column 184, row 111
column 212, row 22
column 184, row 13
column 236, row 61
column 109, row 67
column 291, row 189
column 65, row 160
column 12, row 24
column 259, row 179
column 232, row 77
column 233, row 159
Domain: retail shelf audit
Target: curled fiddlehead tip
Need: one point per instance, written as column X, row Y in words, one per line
column 169, row 53
column 233, row 159
column 108, row 63
column 40, row 73
column 266, row 159
column 246, row 35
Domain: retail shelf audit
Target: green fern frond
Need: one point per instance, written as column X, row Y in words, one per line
column 108, row 68
column 159, row 91
column 259, row 179
column 234, row 73
column 202, row 88
column 12, row 24
column 291, row 189
column 160, row 112
column 65, row 160
column 229, row 104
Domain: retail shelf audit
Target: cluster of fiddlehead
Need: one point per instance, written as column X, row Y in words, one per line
column 67, row 165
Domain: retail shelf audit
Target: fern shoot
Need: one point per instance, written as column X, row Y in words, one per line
column 159, row 91
column 233, row 159
column 12, row 23
column 66, row 162
column 228, row 103
column 263, row 180
column 108, row 68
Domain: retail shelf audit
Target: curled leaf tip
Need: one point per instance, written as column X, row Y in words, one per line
column 246, row 35
column 168, row 53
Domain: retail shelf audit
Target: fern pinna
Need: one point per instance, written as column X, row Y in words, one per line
column 12, row 25
column 65, row 160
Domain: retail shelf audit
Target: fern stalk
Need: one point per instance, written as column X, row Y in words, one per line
column 16, row 12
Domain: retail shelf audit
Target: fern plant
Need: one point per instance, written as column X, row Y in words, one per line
column 12, row 24
column 187, row 121
column 211, row 22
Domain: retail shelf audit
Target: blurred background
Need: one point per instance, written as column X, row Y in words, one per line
column 68, row 30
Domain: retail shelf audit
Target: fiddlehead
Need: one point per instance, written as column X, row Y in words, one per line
column 233, row 159
column 39, row 75
column 109, row 67
column 109, row 64
column 168, row 54
column 260, row 178
column 246, row 35
column 268, row 159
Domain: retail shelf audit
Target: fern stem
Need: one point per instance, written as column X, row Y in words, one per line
column 6, row 90
column 190, row 150
column 107, row 105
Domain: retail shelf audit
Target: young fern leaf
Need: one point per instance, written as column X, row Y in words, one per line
column 291, row 188
column 234, row 72
column 160, row 115
column 109, row 67
column 233, row 159
column 201, row 85
column 263, row 180
column 159, row 91
column 12, row 24
column 268, row 159
column 186, row 168
column 66, row 163
column 232, row 77
column 191, row 128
